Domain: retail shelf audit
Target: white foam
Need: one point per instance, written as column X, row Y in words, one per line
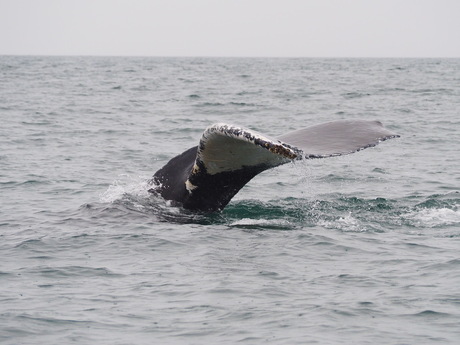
column 346, row 223
column 436, row 217
column 248, row 222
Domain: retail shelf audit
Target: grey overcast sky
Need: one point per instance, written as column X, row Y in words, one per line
column 281, row 28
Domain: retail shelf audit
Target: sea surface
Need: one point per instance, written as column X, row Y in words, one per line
column 359, row 249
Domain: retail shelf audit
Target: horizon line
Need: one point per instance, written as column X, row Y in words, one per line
column 233, row 56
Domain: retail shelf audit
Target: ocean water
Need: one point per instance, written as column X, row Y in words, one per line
column 359, row 249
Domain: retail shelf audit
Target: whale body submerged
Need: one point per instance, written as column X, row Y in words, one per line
column 206, row 177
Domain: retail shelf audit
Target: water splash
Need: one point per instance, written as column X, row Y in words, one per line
column 125, row 185
column 344, row 223
column 335, row 211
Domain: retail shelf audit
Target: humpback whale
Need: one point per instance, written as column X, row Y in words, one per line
column 206, row 177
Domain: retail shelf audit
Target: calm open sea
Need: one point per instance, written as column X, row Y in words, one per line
column 361, row 249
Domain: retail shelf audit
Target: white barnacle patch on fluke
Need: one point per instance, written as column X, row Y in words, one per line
column 190, row 186
column 226, row 148
column 195, row 169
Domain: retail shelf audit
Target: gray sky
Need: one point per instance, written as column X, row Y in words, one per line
column 310, row 28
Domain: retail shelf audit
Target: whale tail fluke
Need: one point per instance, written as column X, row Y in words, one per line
column 207, row 176
column 337, row 138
